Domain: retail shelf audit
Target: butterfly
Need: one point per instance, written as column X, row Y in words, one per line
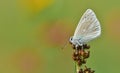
column 87, row 29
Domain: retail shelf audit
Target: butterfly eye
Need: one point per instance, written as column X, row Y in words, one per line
column 71, row 38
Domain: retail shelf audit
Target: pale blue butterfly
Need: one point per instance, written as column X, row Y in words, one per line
column 87, row 29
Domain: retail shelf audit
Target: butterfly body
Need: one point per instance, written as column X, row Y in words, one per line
column 88, row 29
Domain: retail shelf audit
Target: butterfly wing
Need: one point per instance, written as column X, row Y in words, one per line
column 88, row 27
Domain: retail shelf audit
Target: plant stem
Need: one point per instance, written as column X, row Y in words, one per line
column 75, row 71
column 76, row 68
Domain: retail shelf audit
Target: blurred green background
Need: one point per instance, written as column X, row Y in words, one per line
column 32, row 33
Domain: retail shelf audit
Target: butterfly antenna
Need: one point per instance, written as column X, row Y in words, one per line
column 74, row 19
column 64, row 45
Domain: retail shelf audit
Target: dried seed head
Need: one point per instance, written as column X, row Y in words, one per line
column 84, row 61
column 74, row 58
column 78, row 58
column 81, row 71
column 79, row 62
column 81, row 52
column 88, row 46
column 79, row 47
column 86, row 54
column 88, row 70
column 75, row 54
column 80, row 55
column 92, row 71
column 85, row 46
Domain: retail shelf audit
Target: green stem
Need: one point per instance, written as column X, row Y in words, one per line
column 76, row 68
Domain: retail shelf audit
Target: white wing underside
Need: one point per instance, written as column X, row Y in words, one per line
column 88, row 27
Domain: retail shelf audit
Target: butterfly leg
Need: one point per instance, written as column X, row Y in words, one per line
column 76, row 47
column 79, row 44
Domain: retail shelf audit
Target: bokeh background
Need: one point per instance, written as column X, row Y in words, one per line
column 32, row 33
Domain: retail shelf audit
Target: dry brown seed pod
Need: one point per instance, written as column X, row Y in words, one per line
column 81, row 71
column 92, row 71
column 74, row 58
column 87, row 71
column 86, row 54
column 78, row 58
column 88, row 46
column 79, row 47
column 79, row 62
column 85, row 46
column 81, row 52
column 84, row 61
column 75, row 53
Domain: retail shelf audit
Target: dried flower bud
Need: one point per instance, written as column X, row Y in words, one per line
column 80, row 55
column 85, row 46
column 81, row 71
column 86, row 54
column 78, row 58
column 92, row 71
column 81, row 52
column 88, row 46
column 84, row 61
column 74, row 58
column 88, row 70
column 75, row 54
column 79, row 47
column 79, row 62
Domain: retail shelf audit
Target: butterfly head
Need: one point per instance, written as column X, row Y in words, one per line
column 76, row 41
column 71, row 40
